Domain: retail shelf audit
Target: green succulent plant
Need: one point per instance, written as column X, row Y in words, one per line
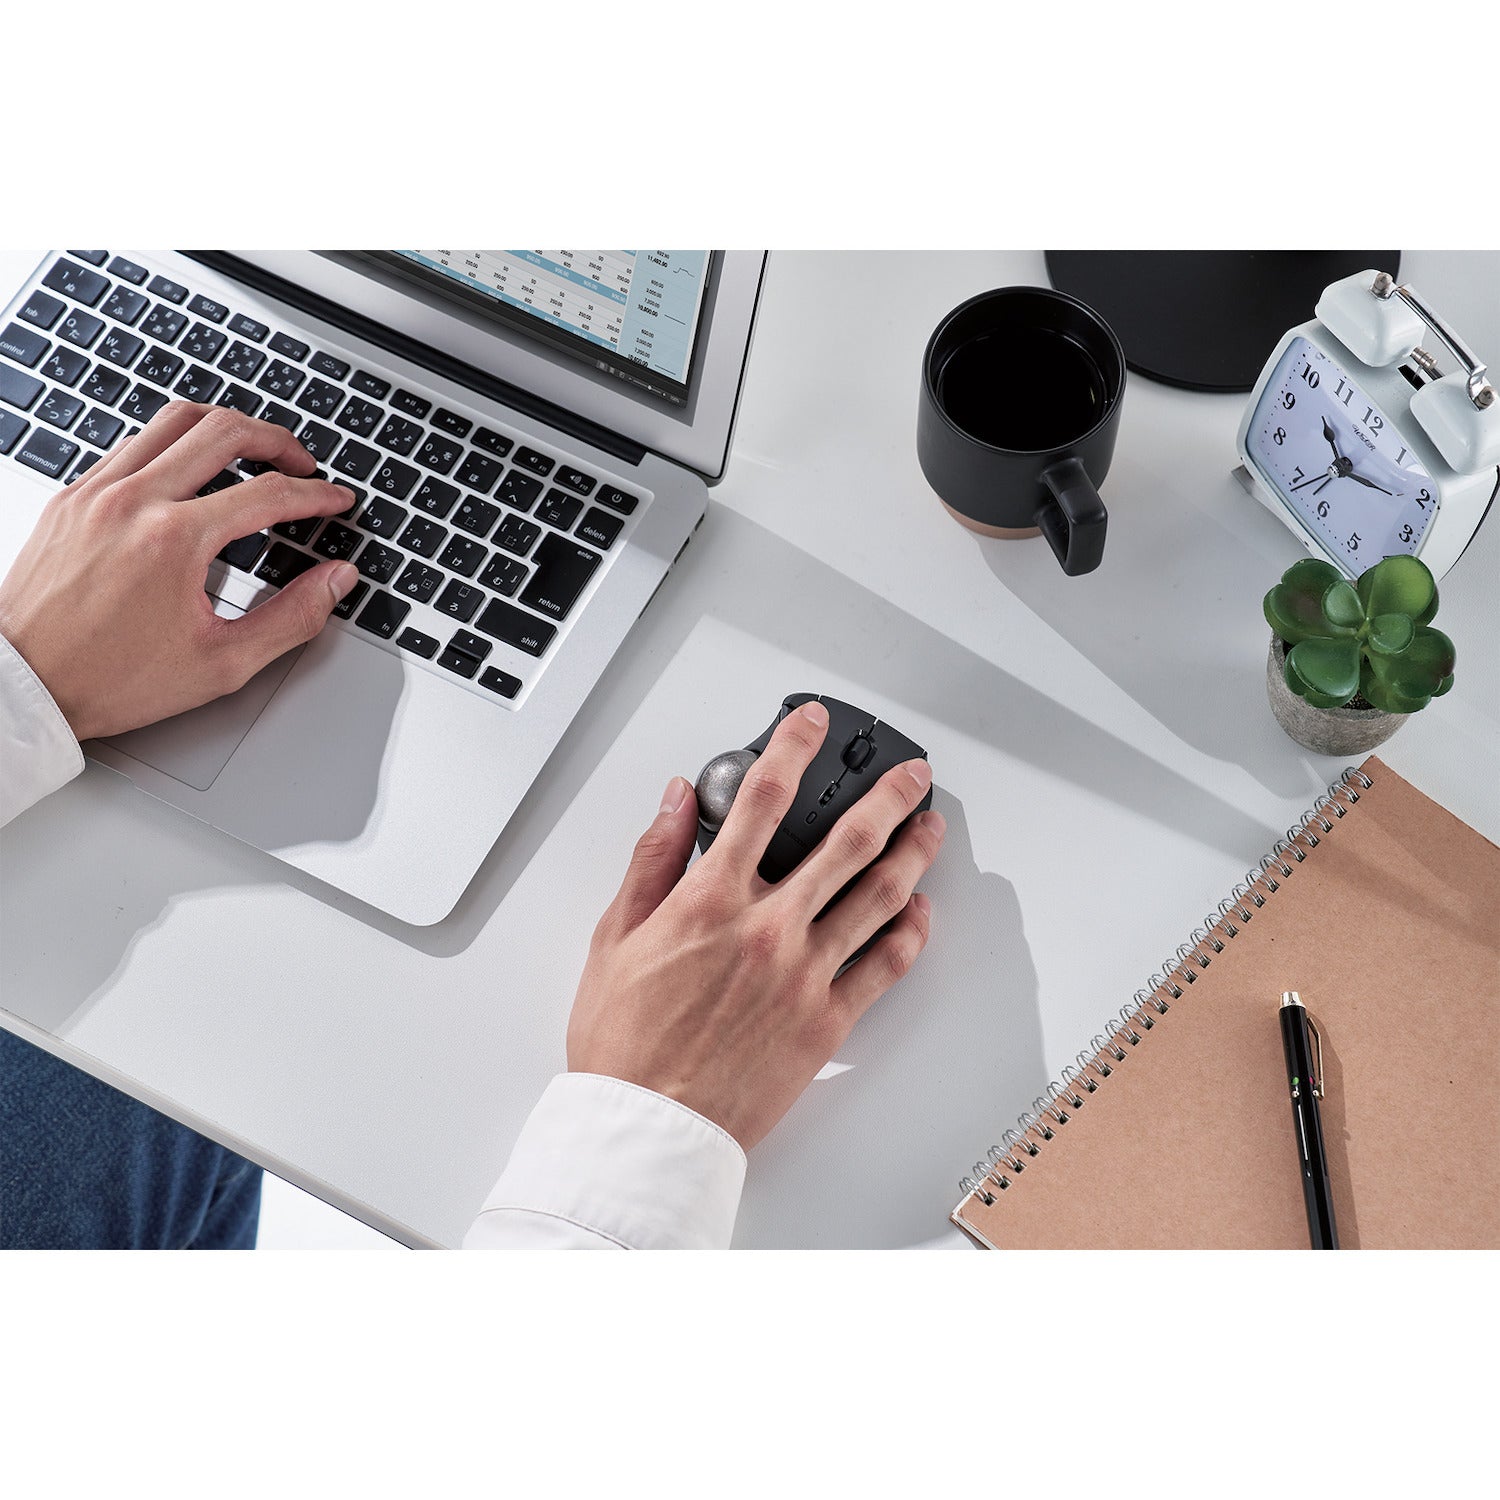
column 1369, row 639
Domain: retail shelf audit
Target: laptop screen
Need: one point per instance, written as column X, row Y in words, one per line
column 634, row 314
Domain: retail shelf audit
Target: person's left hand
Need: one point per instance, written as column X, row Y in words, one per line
column 105, row 602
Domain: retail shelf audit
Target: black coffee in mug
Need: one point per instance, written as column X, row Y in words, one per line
column 1021, row 395
column 1023, row 388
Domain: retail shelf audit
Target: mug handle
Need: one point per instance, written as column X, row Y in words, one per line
column 1074, row 520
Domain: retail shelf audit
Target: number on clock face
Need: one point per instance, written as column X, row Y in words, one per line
column 1338, row 463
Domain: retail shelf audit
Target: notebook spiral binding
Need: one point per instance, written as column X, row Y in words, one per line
column 1083, row 1076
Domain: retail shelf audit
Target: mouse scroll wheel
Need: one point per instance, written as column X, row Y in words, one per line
column 858, row 751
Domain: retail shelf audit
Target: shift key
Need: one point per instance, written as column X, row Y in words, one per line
column 562, row 570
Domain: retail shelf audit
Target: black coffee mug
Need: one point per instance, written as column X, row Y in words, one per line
column 1021, row 395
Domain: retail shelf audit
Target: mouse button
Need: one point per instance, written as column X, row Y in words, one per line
column 858, row 751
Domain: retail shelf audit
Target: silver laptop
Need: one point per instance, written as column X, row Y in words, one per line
column 528, row 434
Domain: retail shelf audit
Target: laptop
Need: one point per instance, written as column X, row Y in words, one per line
column 529, row 436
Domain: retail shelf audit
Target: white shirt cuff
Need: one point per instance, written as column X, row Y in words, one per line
column 38, row 752
column 601, row 1163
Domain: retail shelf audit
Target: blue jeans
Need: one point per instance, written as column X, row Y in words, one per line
column 85, row 1167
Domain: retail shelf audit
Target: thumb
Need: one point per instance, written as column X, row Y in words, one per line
column 292, row 618
column 660, row 857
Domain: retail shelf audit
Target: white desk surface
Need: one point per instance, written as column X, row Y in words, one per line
column 1102, row 748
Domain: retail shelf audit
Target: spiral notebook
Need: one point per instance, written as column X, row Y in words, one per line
column 1173, row 1129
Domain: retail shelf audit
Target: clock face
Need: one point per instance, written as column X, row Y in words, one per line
column 1338, row 462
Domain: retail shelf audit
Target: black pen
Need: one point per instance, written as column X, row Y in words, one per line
column 1305, row 1078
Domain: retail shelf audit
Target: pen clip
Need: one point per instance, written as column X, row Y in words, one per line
column 1317, row 1081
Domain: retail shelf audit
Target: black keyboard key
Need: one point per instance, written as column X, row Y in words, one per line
column 418, row 581
column 383, row 615
column 164, row 323
column 450, row 421
column 493, row 442
column 359, row 499
column 515, row 627
column 320, row 398
column 281, row 379
column 11, row 428
column 42, row 311
column 563, row 568
column 93, row 257
column 143, row 403
column 599, row 528
column 518, row 490
column 248, row 328
column 237, row 398
column 225, row 479
column 283, row 344
column 320, row 441
column 19, row 390
column 60, row 408
column 395, row 479
column 435, row 497
column 283, row 563
column 470, row 644
column 398, row 435
column 423, row 645
column 72, row 280
column 478, row 473
column 370, row 385
column 203, row 342
column 457, row 661
column 159, row 367
column 128, row 270
column 359, row 417
column 412, row 405
column 503, row 574
column 281, row 417
column 124, row 305
column 422, row 536
column 439, row 453
column 120, row 348
column 382, row 518
column 576, row 480
column 462, row 556
column 104, row 386
column 337, row 541
column 198, row 384
column 517, row 535
column 538, row 463
column 47, row 452
column 378, row 562
column 500, row 682
column 355, row 460
column 617, row 500
column 24, row 345
column 161, row 286
column 301, row 530
column 346, row 606
column 206, row 307
column 459, row 600
column 476, row 516
column 84, row 464
column 326, row 364
column 64, row 365
column 559, row 510
column 81, row 329
column 242, row 361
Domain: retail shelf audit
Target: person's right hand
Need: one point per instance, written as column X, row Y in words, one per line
column 105, row 602
column 722, row 991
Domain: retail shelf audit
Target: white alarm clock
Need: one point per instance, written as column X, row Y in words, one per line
column 1357, row 440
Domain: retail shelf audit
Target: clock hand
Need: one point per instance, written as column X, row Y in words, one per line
column 1332, row 437
column 1315, row 478
column 1368, row 484
column 1327, row 479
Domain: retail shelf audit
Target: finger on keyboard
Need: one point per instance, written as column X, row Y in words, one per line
column 172, row 422
column 213, row 441
column 265, row 501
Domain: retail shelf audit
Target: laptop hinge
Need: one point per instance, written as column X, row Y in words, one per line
column 418, row 353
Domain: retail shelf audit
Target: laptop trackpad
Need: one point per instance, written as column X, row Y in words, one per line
column 194, row 747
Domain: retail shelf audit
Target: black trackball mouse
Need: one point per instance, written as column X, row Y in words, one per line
column 857, row 751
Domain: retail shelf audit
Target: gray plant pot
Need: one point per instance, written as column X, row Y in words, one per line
column 1326, row 731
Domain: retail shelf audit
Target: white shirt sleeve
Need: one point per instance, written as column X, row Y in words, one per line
column 606, row 1165
column 38, row 753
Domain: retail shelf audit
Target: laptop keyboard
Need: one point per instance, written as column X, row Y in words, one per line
column 474, row 544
